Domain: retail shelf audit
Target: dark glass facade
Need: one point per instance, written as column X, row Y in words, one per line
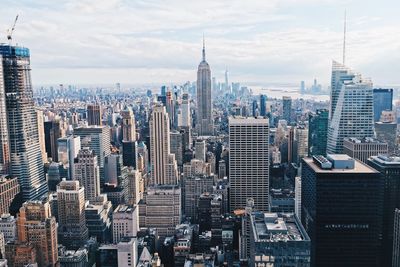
column 383, row 100
column 341, row 212
column 318, row 132
column 390, row 175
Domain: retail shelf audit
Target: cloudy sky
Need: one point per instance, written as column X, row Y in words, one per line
column 159, row 41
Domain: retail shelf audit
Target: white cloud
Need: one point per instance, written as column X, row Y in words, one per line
column 148, row 40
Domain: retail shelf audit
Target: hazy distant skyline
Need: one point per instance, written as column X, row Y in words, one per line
column 149, row 41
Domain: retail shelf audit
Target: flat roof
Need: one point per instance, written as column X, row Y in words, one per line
column 359, row 167
column 238, row 120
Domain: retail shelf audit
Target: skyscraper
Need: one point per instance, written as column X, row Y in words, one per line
column 23, row 137
column 128, row 125
column 86, row 171
column 68, row 148
column 72, row 229
column 341, row 201
column 163, row 163
column 386, row 130
column 389, row 168
column 184, row 120
column 351, row 111
column 129, row 145
column 383, row 101
column 97, row 138
column 317, row 132
column 287, row 109
column 161, row 209
column 37, row 227
column 204, row 106
column 9, row 188
column 396, row 239
column 94, row 114
column 263, row 105
column 249, row 162
column 301, row 141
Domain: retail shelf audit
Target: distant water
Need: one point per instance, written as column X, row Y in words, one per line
column 279, row 92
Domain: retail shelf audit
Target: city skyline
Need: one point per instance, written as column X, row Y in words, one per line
column 260, row 44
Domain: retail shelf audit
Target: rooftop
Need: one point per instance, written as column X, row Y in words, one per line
column 238, row 120
column 359, row 167
column 363, row 140
column 386, row 160
column 274, row 227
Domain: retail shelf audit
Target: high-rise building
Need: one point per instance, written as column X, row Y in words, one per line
column 9, row 188
column 163, row 163
column 301, row 141
column 116, row 184
column 204, row 107
column 263, row 105
column 351, row 111
column 161, row 209
column 278, row 240
column 72, row 230
column 362, row 149
column 287, row 109
column 389, row 168
column 128, row 125
column 97, row 138
column 37, row 227
column 125, row 222
column 386, row 130
column 317, row 132
column 98, row 219
column 23, row 137
column 68, row 148
column 185, row 112
column 176, row 146
column 200, row 150
column 192, row 188
column 249, row 162
column 134, row 190
column 4, row 134
column 383, row 101
column 396, row 239
column 40, row 120
column 52, row 131
column 127, row 252
column 297, row 197
column 341, row 202
column 86, row 171
column 8, row 226
column 94, row 114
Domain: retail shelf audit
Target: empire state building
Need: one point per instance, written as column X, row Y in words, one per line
column 204, row 123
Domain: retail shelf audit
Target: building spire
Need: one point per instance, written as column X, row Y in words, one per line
column 344, row 37
column 204, row 49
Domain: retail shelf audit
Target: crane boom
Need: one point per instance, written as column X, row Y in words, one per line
column 10, row 31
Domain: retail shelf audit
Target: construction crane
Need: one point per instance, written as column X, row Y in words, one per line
column 10, row 31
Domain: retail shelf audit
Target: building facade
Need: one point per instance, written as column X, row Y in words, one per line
column 364, row 148
column 72, row 230
column 317, row 132
column 341, row 201
column 23, row 148
column 163, row 163
column 351, row 111
column 249, row 162
column 204, row 107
